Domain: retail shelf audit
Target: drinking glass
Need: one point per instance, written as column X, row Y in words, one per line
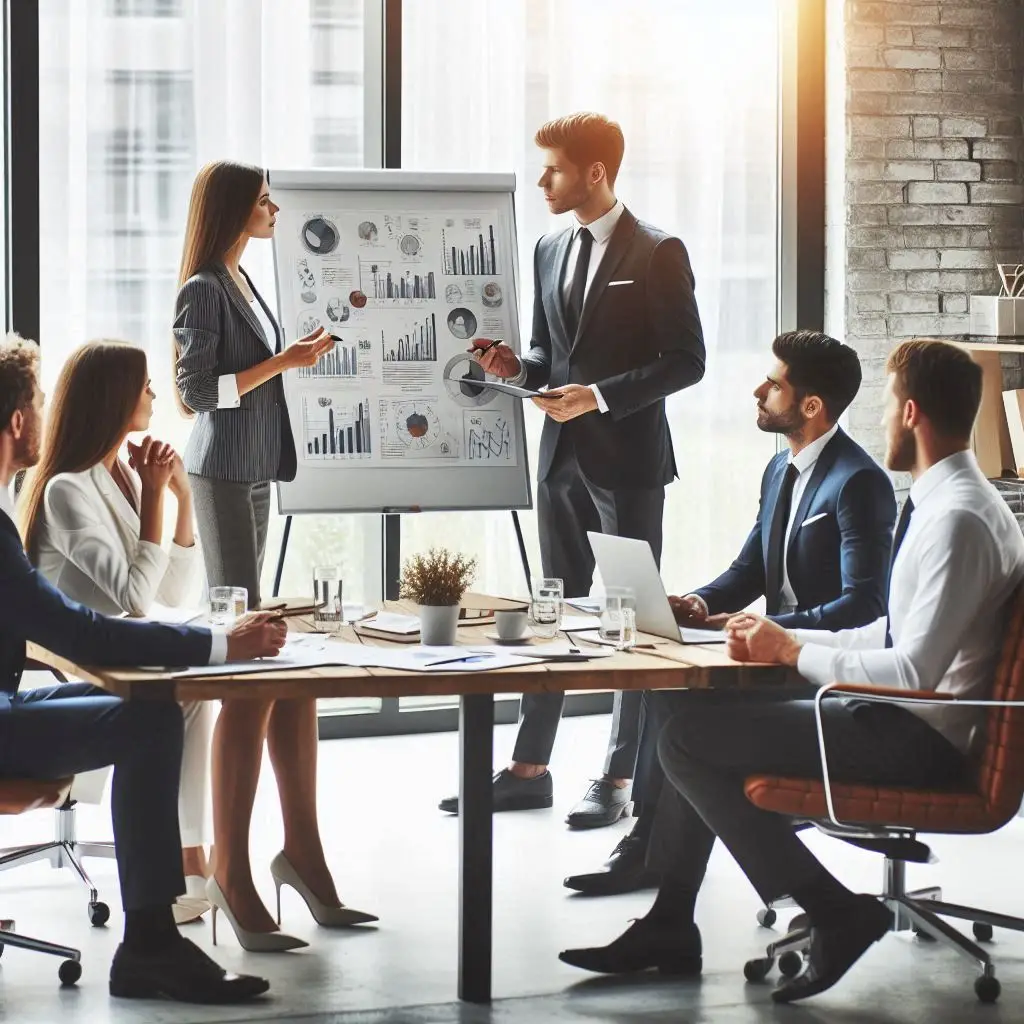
column 227, row 604
column 546, row 607
column 617, row 618
column 327, row 594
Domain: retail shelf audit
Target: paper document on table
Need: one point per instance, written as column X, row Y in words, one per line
column 393, row 622
column 481, row 658
column 688, row 635
column 577, row 622
column 177, row 616
column 301, row 650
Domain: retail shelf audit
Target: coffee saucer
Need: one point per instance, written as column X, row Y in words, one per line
column 516, row 642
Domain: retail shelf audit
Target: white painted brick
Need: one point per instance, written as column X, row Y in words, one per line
column 866, row 259
column 869, row 302
column 874, row 192
column 918, row 58
column 912, row 103
column 899, row 35
column 958, row 170
column 953, row 303
column 881, row 127
column 965, row 259
column 1004, row 216
column 865, row 170
column 912, row 325
column 927, row 81
column 931, row 36
column 941, row 149
column 868, row 326
column 867, row 216
column 992, row 193
column 913, row 214
column 970, row 16
column 913, row 259
column 876, row 281
column 874, row 238
column 909, row 170
column 925, row 127
column 968, row 60
column 923, row 281
column 997, row 149
column 936, row 237
column 936, row 192
column 922, row 303
column 963, row 127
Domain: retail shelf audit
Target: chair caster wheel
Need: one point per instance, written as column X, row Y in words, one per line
column 766, row 917
column 757, row 969
column 791, row 964
column 987, row 988
column 982, row 931
column 99, row 914
column 69, row 972
column 923, row 936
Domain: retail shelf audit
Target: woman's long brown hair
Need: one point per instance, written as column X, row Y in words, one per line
column 98, row 390
column 223, row 196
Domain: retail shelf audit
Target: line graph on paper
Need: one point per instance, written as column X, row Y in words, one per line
column 488, row 436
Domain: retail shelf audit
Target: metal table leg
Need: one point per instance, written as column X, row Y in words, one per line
column 476, row 754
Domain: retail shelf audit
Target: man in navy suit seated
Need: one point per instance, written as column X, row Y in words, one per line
column 818, row 552
column 56, row 731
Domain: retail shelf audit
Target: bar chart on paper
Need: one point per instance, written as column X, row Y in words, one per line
column 336, row 427
column 470, row 248
column 344, row 360
column 378, row 281
column 416, row 344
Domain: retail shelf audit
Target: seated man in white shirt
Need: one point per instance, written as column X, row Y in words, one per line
column 958, row 557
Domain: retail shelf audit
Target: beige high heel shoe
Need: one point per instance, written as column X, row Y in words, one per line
column 329, row 917
column 254, row 942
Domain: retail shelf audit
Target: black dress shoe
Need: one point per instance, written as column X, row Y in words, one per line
column 182, row 972
column 512, row 793
column 624, row 871
column 835, row 948
column 642, row 946
column 603, row 805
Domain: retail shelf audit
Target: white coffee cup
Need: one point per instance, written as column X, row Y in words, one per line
column 511, row 625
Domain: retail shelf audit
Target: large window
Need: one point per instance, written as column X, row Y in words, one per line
column 135, row 95
column 695, row 87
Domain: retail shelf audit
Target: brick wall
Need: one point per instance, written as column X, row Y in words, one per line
column 925, row 182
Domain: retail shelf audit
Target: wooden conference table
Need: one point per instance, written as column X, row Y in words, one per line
column 658, row 664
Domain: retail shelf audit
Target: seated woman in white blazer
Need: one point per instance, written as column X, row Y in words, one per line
column 94, row 529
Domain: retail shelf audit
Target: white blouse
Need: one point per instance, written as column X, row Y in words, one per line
column 89, row 547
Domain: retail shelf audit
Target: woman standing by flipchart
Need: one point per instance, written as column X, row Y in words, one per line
column 228, row 360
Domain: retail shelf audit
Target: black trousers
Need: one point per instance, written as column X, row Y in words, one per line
column 56, row 731
column 709, row 748
column 568, row 505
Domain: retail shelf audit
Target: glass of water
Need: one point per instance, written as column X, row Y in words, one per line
column 327, row 588
column 546, row 607
column 617, row 617
column 227, row 604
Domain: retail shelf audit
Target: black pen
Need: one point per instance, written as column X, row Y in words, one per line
column 486, row 348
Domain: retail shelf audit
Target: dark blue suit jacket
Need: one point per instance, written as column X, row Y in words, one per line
column 838, row 564
column 32, row 609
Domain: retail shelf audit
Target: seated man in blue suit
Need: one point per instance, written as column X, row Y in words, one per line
column 56, row 731
column 818, row 552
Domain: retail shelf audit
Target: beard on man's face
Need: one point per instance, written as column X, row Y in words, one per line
column 26, row 453
column 786, row 422
column 901, row 451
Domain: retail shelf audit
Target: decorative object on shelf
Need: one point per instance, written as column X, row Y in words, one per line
column 1002, row 315
column 436, row 581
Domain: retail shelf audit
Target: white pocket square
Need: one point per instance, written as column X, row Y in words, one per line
column 612, row 284
column 813, row 519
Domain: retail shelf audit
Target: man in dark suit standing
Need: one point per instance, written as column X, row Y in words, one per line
column 817, row 552
column 615, row 332
column 55, row 731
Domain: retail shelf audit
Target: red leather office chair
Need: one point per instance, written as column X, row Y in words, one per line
column 888, row 820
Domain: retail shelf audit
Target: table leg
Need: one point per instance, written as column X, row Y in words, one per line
column 476, row 761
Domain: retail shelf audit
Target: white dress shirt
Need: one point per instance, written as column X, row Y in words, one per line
column 89, row 548
column 959, row 563
column 804, row 460
column 601, row 231
column 6, row 505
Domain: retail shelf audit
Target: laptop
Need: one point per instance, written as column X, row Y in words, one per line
column 625, row 562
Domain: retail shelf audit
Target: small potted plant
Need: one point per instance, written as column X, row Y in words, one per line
column 436, row 581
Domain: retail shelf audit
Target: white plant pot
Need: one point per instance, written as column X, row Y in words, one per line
column 438, row 624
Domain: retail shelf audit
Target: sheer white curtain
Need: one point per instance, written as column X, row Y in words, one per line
column 694, row 85
column 135, row 95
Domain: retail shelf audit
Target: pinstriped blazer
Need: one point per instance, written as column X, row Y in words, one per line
column 217, row 334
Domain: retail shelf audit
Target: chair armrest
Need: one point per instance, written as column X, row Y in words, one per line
column 887, row 694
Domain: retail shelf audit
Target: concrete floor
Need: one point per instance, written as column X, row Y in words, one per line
column 395, row 854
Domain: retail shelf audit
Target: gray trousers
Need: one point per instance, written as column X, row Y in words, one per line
column 232, row 519
column 568, row 505
column 709, row 747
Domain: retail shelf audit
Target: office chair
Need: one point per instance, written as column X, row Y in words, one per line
column 888, row 820
column 65, row 850
column 16, row 796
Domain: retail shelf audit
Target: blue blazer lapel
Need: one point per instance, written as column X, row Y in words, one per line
column 826, row 460
column 771, row 499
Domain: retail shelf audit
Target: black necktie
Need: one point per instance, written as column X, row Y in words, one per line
column 897, row 540
column 777, row 541
column 574, row 304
